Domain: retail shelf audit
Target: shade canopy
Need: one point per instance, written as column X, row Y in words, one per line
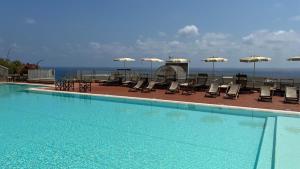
column 152, row 60
column 171, row 72
column 215, row 59
column 255, row 59
column 179, row 60
column 124, row 59
column 294, row 58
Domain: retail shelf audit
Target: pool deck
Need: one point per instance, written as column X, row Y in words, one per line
column 245, row 100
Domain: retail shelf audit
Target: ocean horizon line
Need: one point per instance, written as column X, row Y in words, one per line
column 216, row 68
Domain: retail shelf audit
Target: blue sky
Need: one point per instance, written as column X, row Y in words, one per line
column 92, row 33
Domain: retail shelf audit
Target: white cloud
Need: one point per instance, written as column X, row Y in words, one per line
column 174, row 43
column 189, row 30
column 111, row 49
column 95, row 45
column 295, row 18
column 277, row 44
column 279, row 38
column 30, row 21
column 162, row 34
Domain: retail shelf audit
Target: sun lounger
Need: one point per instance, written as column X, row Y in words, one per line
column 114, row 82
column 213, row 90
column 226, row 82
column 291, row 95
column 242, row 80
column 137, row 87
column 265, row 94
column 187, row 88
column 200, row 82
column 150, row 87
column 233, row 91
column 173, row 88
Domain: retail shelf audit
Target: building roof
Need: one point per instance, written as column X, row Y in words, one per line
column 3, row 67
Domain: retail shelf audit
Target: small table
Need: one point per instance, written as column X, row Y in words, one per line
column 223, row 88
column 187, row 88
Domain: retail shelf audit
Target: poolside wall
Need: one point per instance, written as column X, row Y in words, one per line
column 3, row 73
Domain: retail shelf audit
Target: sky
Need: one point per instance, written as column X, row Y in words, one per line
column 90, row 33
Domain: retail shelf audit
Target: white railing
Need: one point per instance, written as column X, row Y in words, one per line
column 3, row 73
column 41, row 74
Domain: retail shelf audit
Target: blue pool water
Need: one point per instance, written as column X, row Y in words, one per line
column 39, row 130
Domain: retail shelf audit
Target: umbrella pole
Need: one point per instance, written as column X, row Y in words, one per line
column 213, row 70
column 253, row 76
column 124, row 70
column 151, row 71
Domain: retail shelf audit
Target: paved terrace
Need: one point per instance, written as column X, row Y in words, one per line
column 245, row 100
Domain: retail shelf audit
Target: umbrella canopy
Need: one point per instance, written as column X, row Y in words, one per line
column 294, row 58
column 179, row 60
column 254, row 59
column 124, row 60
column 213, row 60
column 151, row 60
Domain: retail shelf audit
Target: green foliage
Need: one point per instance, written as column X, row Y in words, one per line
column 14, row 67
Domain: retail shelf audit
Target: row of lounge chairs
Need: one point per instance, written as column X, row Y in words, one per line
column 232, row 92
column 290, row 95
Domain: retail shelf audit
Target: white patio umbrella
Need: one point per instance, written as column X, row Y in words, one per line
column 151, row 60
column 124, row 60
column 179, row 60
column 294, row 58
column 213, row 60
column 254, row 59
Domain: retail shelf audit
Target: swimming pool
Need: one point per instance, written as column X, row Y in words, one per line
column 56, row 130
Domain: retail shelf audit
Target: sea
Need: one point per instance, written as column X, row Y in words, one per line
column 61, row 72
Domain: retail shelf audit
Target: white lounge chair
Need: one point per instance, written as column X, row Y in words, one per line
column 233, row 91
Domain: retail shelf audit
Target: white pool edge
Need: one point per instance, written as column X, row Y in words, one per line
column 283, row 112
column 42, row 89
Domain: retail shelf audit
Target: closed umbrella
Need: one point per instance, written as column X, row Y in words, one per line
column 294, row 58
column 254, row 59
column 151, row 60
column 213, row 60
column 124, row 60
